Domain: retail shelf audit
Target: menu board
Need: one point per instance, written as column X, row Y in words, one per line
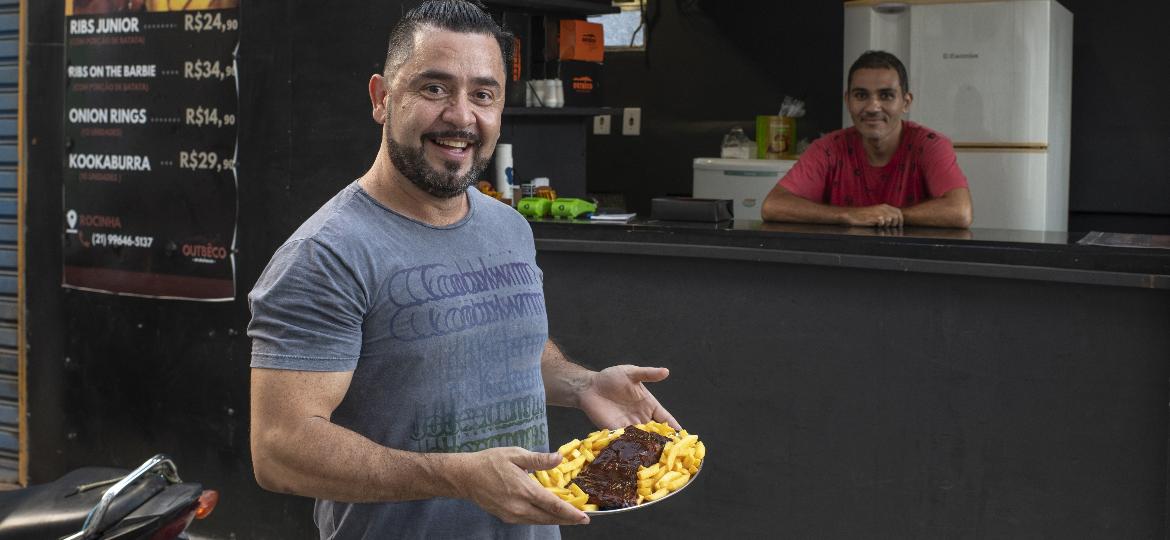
column 150, row 187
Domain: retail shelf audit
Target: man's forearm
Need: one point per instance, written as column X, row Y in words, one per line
column 951, row 210
column 785, row 206
column 563, row 380
column 323, row 460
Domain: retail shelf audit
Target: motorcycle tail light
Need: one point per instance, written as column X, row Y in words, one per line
column 175, row 527
column 207, row 502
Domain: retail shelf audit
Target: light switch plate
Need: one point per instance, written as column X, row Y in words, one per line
column 601, row 124
column 632, row 121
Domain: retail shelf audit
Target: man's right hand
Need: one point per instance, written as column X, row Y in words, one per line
column 497, row 480
column 879, row 215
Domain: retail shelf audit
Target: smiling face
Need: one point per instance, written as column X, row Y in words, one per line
column 876, row 103
column 442, row 110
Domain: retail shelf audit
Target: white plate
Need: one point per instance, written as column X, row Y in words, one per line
column 656, row 501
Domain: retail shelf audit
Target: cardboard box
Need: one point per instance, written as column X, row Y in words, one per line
column 581, row 40
column 520, row 25
column 582, row 83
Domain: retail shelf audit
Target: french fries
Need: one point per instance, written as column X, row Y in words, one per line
column 681, row 458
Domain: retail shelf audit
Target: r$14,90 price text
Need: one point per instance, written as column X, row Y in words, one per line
column 208, row 116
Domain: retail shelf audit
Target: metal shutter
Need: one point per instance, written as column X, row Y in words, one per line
column 10, row 309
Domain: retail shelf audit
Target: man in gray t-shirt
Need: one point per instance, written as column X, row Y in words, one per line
column 400, row 361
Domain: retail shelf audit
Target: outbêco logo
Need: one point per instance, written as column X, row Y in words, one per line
column 204, row 251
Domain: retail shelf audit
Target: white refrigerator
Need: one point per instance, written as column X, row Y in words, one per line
column 995, row 77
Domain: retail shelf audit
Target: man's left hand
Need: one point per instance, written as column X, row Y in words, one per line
column 616, row 397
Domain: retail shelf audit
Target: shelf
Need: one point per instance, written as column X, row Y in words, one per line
column 576, row 7
column 558, row 111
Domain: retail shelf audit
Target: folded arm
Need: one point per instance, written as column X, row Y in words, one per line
column 783, row 205
column 952, row 209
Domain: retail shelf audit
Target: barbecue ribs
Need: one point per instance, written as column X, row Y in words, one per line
column 612, row 479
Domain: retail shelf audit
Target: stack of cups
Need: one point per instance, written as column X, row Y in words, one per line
column 505, row 176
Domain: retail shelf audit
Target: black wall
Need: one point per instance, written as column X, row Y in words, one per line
column 1120, row 163
column 712, row 65
column 112, row 380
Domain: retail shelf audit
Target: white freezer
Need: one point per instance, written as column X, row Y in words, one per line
column 745, row 181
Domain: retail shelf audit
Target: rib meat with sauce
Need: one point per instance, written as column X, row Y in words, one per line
column 611, row 480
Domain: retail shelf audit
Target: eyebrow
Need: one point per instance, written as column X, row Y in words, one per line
column 434, row 74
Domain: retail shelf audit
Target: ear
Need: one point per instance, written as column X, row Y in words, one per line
column 909, row 99
column 379, row 98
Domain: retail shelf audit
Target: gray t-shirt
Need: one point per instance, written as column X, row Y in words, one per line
column 443, row 328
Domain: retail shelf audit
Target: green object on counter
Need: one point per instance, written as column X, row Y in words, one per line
column 572, row 208
column 775, row 137
column 533, row 207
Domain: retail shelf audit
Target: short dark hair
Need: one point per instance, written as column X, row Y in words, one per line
column 462, row 16
column 880, row 60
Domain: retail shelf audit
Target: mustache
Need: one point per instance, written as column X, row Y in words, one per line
column 873, row 116
column 453, row 134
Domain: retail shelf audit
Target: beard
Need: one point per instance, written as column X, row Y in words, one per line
column 444, row 184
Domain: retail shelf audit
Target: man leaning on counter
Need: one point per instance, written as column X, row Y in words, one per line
column 883, row 171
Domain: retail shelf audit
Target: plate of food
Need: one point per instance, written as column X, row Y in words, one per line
column 615, row 471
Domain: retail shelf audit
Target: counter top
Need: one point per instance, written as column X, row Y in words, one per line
column 1012, row 254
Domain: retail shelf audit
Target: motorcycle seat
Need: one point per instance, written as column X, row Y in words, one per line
column 56, row 509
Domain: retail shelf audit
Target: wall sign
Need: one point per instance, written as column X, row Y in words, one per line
column 150, row 187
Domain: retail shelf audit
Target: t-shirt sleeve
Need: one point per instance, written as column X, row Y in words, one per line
column 307, row 311
column 807, row 178
column 940, row 167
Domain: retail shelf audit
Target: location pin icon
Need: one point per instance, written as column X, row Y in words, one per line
column 71, row 218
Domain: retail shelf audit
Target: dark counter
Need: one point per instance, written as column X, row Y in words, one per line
column 851, row 383
column 1034, row 255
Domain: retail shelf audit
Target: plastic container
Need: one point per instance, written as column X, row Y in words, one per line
column 736, row 145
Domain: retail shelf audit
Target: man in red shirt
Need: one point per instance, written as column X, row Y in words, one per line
column 884, row 171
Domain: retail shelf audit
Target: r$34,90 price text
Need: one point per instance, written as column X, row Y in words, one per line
column 206, row 69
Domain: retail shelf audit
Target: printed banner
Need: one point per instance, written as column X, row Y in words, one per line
column 150, row 188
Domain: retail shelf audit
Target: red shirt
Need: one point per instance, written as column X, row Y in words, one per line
column 834, row 170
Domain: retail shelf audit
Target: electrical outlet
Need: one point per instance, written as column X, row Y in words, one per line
column 601, row 124
column 632, row 121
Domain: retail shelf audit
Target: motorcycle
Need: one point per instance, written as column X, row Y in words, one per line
column 149, row 503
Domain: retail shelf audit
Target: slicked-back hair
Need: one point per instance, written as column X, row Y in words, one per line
column 461, row 16
column 880, row 60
